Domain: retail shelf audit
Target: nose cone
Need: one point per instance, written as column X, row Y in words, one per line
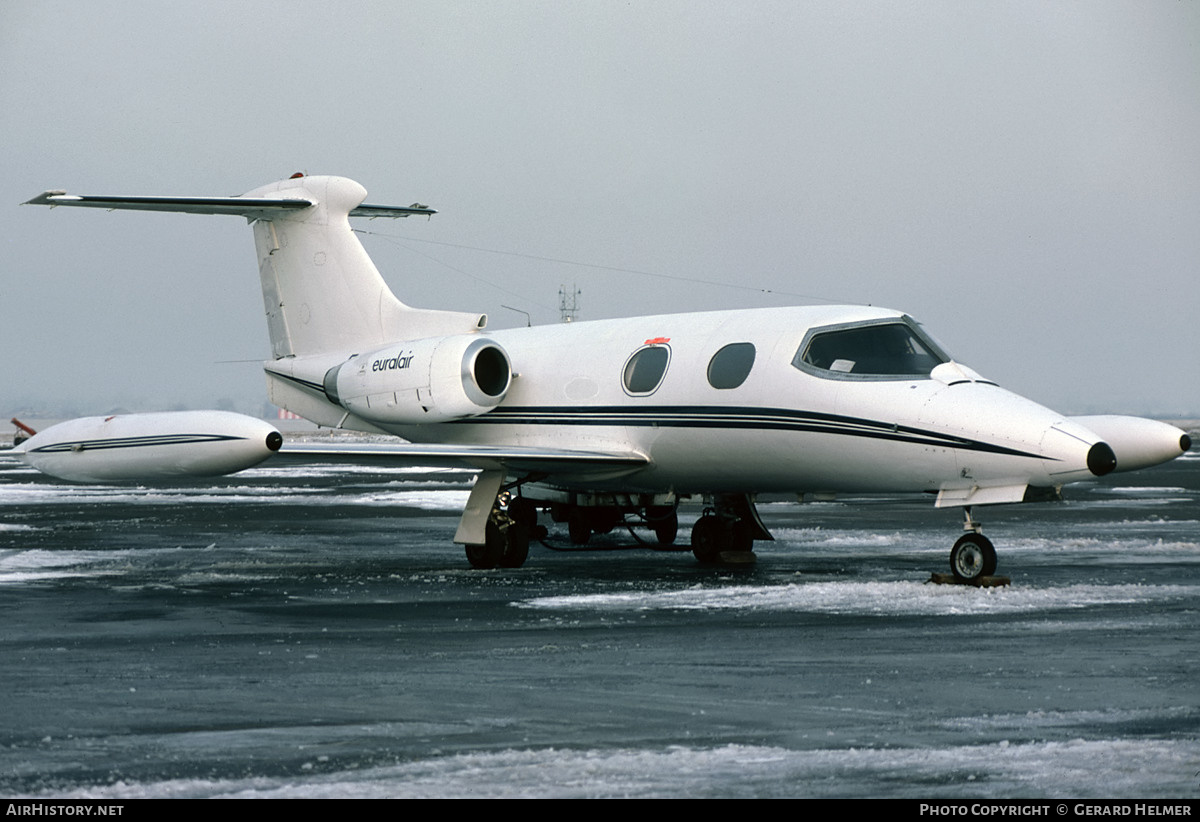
column 1136, row 442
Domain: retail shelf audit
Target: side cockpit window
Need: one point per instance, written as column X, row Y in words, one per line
column 878, row 349
column 730, row 366
column 644, row 371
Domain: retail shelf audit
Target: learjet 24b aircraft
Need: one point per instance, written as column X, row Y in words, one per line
column 595, row 421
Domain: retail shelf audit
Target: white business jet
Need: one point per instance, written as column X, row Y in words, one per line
column 596, row 421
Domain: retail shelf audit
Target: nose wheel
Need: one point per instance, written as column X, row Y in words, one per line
column 972, row 558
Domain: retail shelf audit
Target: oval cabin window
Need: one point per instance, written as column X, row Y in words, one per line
column 645, row 370
column 730, row 366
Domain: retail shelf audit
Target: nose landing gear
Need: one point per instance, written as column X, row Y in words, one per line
column 973, row 558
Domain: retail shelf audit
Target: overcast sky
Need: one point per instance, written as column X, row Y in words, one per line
column 1022, row 177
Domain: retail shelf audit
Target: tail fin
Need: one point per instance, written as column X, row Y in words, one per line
column 321, row 291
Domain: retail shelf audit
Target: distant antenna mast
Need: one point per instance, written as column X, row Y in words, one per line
column 568, row 303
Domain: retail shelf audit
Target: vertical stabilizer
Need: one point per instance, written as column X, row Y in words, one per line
column 321, row 291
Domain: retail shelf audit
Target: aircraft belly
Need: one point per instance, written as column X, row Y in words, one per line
column 707, row 457
column 600, row 439
column 727, row 461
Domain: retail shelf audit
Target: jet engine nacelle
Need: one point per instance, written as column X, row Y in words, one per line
column 419, row 381
column 147, row 447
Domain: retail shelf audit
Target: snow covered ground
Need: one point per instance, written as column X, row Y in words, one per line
column 314, row 633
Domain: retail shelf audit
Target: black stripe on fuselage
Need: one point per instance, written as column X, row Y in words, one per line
column 716, row 416
column 133, row 442
column 733, row 417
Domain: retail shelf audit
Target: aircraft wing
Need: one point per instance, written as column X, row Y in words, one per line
column 148, row 447
column 513, row 459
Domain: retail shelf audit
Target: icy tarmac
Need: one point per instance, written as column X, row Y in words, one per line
column 314, row 633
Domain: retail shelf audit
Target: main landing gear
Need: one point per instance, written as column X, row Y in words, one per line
column 973, row 556
column 512, row 522
column 505, row 545
column 496, row 527
column 491, row 531
column 727, row 530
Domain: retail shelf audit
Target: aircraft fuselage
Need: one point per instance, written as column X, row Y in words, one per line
column 784, row 428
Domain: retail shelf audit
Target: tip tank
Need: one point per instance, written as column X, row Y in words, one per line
column 1137, row 442
column 151, row 447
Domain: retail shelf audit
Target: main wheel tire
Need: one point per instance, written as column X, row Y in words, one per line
column 523, row 511
column 665, row 523
column 708, row 539
column 477, row 556
column 516, row 546
column 972, row 557
column 604, row 519
column 579, row 527
column 742, row 536
column 487, row 556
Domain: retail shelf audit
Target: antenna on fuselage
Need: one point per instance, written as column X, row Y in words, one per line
column 528, row 319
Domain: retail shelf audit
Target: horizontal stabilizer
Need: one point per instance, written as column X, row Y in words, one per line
column 322, row 294
column 190, row 205
column 367, row 210
column 238, row 206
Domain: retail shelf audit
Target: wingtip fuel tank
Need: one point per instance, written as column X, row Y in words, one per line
column 1138, row 442
column 149, row 447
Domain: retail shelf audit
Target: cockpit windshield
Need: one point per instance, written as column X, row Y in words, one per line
column 877, row 349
